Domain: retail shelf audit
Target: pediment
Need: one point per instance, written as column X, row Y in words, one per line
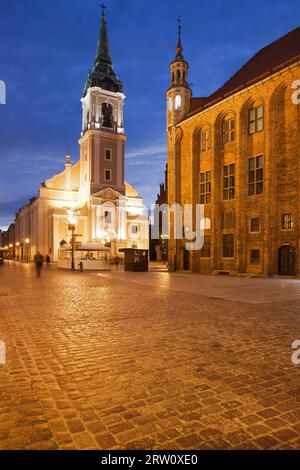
column 107, row 194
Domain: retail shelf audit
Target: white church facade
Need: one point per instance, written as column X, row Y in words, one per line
column 92, row 195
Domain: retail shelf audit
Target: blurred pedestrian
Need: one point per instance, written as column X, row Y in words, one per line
column 48, row 260
column 38, row 261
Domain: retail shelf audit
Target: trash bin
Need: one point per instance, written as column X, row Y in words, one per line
column 135, row 260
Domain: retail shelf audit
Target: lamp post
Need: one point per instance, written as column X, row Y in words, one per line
column 27, row 241
column 72, row 227
column 17, row 249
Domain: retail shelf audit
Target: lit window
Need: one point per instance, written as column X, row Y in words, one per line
column 228, row 245
column 255, row 224
column 229, row 182
column 255, row 175
column 170, row 104
column 107, row 175
column 228, row 130
column 256, row 119
column 255, row 257
column 287, row 222
column 205, row 187
column 178, row 102
column 205, row 140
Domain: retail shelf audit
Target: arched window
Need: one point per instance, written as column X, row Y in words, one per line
column 178, row 74
column 173, row 77
column 228, row 129
column 107, row 115
column 205, row 139
column 177, row 102
column 228, row 218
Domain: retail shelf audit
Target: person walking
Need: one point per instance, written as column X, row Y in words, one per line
column 38, row 261
column 48, row 260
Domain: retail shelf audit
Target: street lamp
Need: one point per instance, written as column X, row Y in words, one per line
column 72, row 222
column 27, row 241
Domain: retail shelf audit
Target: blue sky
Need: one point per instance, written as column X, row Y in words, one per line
column 47, row 47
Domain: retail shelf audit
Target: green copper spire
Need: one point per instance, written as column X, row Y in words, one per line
column 103, row 74
column 87, row 84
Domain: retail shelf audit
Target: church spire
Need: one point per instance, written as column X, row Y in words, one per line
column 103, row 52
column 103, row 75
column 179, row 47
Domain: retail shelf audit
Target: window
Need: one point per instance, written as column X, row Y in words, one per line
column 107, row 116
column 255, row 175
column 287, row 222
column 256, row 119
column 108, row 154
column 228, row 245
column 228, row 219
column 178, row 102
column 229, row 182
column 205, row 140
column 205, row 250
column 254, row 256
column 170, row 104
column 108, row 217
column 134, row 229
column 205, row 187
column 228, row 131
column 107, row 175
column 255, row 224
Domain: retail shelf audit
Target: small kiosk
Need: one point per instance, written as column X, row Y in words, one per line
column 86, row 257
column 135, row 260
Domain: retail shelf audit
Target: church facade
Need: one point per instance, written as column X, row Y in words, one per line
column 92, row 193
column 237, row 153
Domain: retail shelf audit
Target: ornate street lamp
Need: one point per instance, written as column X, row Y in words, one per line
column 27, row 241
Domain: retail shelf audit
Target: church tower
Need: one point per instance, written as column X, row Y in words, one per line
column 102, row 142
column 179, row 94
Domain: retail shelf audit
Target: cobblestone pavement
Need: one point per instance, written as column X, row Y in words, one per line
column 96, row 362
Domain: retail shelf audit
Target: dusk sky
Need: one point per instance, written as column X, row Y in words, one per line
column 47, row 47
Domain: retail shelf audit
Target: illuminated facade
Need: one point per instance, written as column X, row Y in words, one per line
column 92, row 193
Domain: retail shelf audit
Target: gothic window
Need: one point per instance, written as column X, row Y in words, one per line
column 228, row 130
column 228, row 219
column 229, row 182
column 205, row 250
column 287, row 222
column 228, row 245
column 255, row 224
column 255, row 175
column 256, row 119
column 205, row 140
column 205, row 187
column 107, row 116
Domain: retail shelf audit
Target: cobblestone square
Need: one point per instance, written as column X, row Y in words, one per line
column 148, row 361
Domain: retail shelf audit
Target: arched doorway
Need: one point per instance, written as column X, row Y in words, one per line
column 287, row 260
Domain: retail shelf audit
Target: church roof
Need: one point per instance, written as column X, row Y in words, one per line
column 103, row 74
column 266, row 62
